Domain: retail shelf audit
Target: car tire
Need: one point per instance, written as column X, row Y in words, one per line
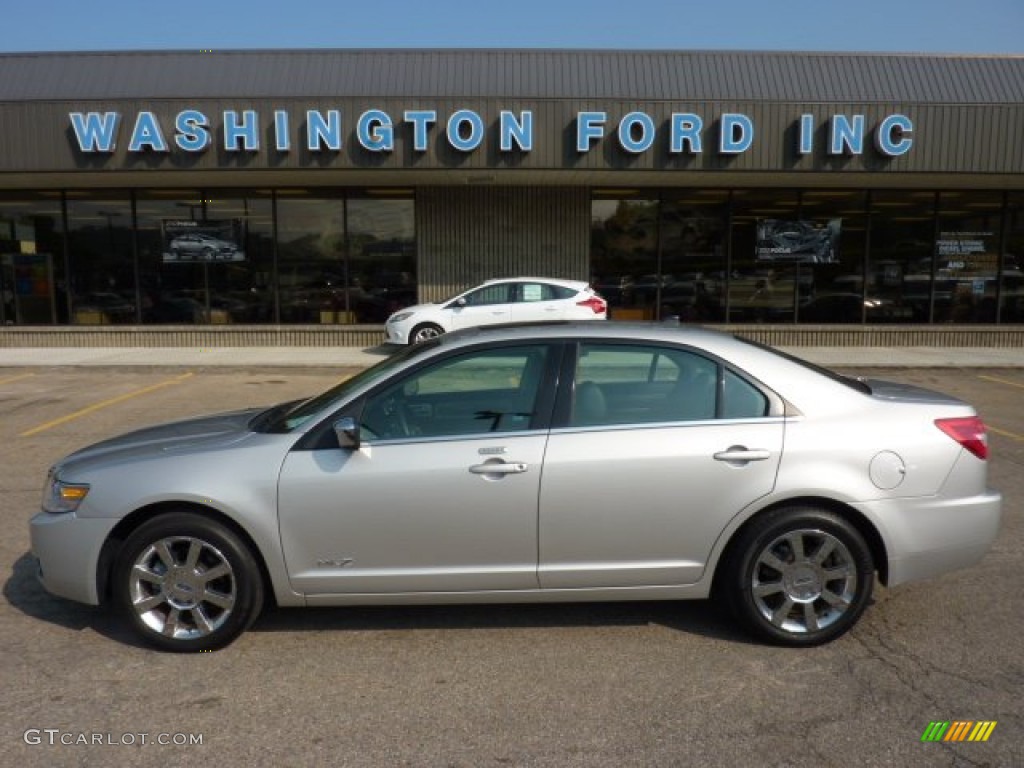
column 424, row 332
column 799, row 576
column 187, row 583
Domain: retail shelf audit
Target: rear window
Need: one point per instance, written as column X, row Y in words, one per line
column 848, row 381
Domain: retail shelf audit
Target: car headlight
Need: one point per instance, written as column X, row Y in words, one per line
column 400, row 317
column 60, row 497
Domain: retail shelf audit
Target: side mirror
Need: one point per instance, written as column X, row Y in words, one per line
column 460, row 302
column 346, row 429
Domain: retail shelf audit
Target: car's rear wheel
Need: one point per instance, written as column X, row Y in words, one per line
column 799, row 576
column 424, row 332
column 187, row 583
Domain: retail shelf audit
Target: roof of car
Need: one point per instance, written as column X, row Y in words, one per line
column 555, row 280
column 673, row 332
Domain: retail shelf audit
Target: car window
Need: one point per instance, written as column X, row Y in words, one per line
column 482, row 391
column 488, row 294
column 635, row 384
column 528, row 292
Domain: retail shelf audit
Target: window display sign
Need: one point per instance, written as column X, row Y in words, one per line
column 207, row 240
column 803, row 241
column 967, row 252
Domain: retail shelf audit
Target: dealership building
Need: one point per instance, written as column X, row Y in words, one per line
column 302, row 196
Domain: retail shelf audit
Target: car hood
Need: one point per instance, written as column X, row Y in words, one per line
column 415, row 308
column 201, row 432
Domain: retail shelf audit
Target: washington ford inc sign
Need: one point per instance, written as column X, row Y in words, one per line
column 465, row 130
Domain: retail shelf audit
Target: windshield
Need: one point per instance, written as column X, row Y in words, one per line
column 290, row 416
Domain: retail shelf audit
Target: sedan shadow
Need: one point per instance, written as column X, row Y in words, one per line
column 697, row 617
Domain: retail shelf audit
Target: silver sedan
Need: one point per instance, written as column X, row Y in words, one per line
column 564, row 462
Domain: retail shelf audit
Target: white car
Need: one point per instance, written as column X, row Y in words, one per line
column 505, row 300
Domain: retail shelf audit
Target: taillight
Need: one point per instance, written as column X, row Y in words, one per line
column 969, row 432
column 596, row 303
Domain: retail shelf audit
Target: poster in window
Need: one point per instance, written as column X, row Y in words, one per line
column 207, row 240
column 802, row 241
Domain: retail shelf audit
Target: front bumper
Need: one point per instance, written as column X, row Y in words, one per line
column 397, row 334
column 67, row 548
column 928, row 536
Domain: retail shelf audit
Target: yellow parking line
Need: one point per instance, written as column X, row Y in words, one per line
column 104, row 404
column 19, row 377
column 1004, row 433
column 1007, row 382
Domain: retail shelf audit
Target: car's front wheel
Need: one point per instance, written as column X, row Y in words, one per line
column 799, row 576
column 187, row 583
column 424, row 332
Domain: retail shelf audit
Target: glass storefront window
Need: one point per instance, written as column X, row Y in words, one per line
column 624, row 256
column 764, row 283
column 241, row 281
column 32, row 286
column 693, row 227
column 173, row 281
column 967, row 257
column 101, row 259
column 311, row 258
column 382, row 255
column 1012, row 289
column 902, row 240
column 836, row 291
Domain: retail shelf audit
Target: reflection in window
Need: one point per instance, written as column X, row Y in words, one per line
column 32, row 285
column 1012, row 286
column 967, row 257
column 485, row 391
column 765, row 284
column 902, row 247
column 101, row 261
column 634, row 384
column 624, row 256
column 693, row 256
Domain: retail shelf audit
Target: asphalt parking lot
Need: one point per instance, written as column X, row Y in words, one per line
column 635, row 684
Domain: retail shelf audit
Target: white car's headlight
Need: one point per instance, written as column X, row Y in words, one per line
column 400, row 317
column 60, row 497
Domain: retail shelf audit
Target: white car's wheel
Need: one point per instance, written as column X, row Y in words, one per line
column 424, row 332
column 187, row 583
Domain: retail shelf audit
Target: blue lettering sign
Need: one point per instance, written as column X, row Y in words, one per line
column 282, row 136
column 323, row 133
column 636, row 144
column 520, row 131
column 737, row 134
column 246, row 130
column 147, row 133
column 684, row 129
column 421, row 121
column 191, row 128
column 806, row 134
column 893, row 135
column 589, row 127
column 846, row 136
column 375, row 132
column 95, row 132
column 462, row 118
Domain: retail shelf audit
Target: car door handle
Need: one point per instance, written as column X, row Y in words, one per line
column 499, row 468
column 737, row 454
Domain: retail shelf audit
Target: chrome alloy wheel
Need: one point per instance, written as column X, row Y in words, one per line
column 804, row 581
column 182, row 587
column 426, row 332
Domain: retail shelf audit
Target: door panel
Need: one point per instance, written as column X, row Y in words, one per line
column 413, row 517
column 644, row 506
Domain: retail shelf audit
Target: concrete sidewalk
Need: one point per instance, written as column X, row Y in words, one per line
column 351, row 357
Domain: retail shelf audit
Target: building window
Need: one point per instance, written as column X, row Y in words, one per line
column 101, row 259
column 32, row 285
column 624, row 256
